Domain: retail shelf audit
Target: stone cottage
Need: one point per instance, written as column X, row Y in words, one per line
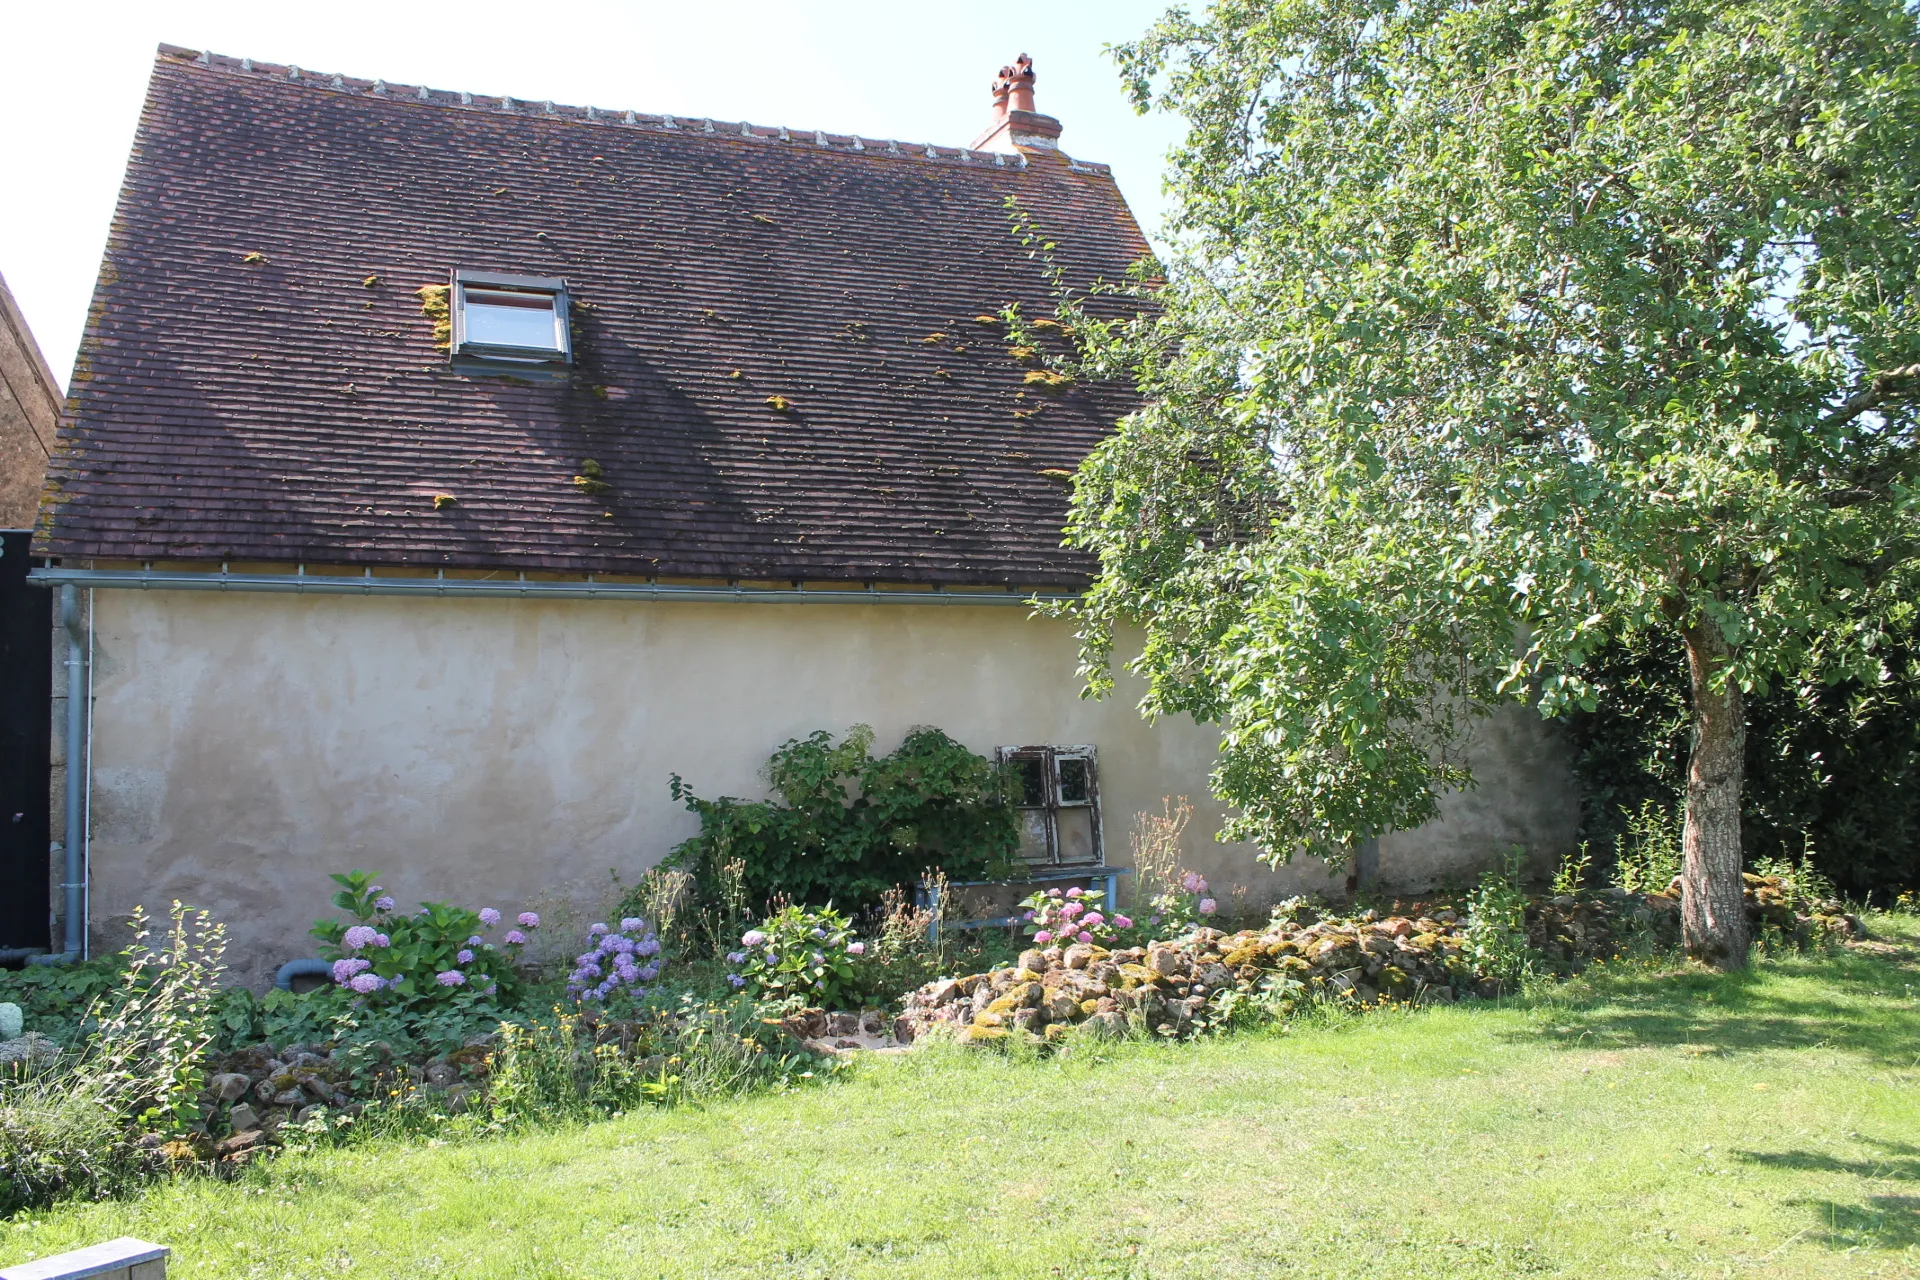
column 444, row 471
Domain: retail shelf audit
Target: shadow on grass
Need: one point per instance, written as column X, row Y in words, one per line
column 1878, row 1222
column 1847, row 1000
column 1901, row 1162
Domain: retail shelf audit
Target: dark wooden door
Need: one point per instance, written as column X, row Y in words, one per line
column 26, row 709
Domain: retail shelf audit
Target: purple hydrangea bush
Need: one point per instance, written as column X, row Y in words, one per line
column 1062, row 917
column 799, row 953
column 618, row 964
column 435, row 954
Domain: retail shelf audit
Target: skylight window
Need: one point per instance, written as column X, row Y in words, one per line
column 512, row 325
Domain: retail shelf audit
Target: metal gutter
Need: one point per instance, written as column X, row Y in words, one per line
column 366, row 584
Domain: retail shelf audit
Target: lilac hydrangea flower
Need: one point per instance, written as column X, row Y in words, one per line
column 382, row 940
column 856, row 948
column 476, row 941
column 1208, row 906
column 360, row 935
column 367, row 983
column 650, row 972
column 1193, row 883
column 650, row 947
column 736, row 980
column 515, row 937
column 621, row 944
column 489, row 917
column 597, row 930
column 464, row 956
column 736, row 957
column 528, row 920
column 451, row 978
column 632, row 924
column 343, row 970
column 384, row 903
column 753, row 938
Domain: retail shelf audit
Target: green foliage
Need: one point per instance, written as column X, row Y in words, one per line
column 68, row 1128
column 807, row 956
column 1497, row 924
column 1570, row 876
column 846, row 826
column 1830, row 767
column 568, row 1068
column 1493, row 333
column 425, row 958
column 1648, row 854
column 55, row 997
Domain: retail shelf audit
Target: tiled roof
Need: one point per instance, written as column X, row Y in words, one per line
column 258, row 380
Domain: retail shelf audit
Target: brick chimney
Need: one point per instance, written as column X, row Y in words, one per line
column 1016, row 125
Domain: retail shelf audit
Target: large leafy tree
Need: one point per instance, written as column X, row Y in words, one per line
column 1493, row 332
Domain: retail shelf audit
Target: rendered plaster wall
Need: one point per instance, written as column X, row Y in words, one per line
column 516, row 754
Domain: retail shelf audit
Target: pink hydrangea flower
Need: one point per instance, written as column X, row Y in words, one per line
column 528, row 920
column 1192, row 882
column 1084, row 936
column 752, row 938
column 1071, row 910
column 343, row 970
column 1093, row 918
column 515, row 937
column 1208, row 906
column 361, row 935
column 856, row 948
column 489, row 917
column 1053, row 893
column 451, row 978
column 1122, row 922
column 1043, row 937
column 1076, row 892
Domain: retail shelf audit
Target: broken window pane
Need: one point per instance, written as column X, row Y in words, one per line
column 1031, row 773
column 1073, row 780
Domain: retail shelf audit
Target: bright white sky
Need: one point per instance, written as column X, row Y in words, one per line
column 915, row 71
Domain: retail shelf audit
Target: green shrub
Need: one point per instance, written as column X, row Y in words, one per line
column 805, row 956
column 1647, row 855
column 1497, row 924
column 1834, row 767
column 848, row 826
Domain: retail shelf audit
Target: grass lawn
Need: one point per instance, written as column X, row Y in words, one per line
column 1764, row 1124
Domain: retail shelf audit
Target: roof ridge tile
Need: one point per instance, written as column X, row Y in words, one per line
column 613, row 118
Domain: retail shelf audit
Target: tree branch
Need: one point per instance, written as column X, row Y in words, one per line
column 1894, row 384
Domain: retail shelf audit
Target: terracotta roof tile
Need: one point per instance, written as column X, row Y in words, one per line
column 258, row 379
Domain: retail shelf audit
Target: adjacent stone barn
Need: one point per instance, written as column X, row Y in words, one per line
column 445, row 471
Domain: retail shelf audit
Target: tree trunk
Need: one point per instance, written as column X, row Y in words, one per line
column 1713, row 917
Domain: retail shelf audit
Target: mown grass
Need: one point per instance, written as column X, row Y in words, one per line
column 1642, row 1123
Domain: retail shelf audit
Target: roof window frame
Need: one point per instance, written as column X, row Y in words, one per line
column 472, row 356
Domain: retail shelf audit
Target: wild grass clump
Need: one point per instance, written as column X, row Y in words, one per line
column 94, row 1122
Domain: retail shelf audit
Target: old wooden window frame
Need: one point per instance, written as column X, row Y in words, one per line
column 1076, row 786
